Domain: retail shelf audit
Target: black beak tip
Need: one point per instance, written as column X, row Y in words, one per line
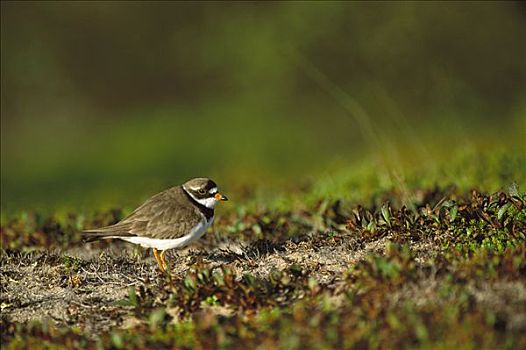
column 224, row 198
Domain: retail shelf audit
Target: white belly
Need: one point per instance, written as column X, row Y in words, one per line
column 164, row 244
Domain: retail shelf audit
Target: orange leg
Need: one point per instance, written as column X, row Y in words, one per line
column 158, row 259
column 163, row 260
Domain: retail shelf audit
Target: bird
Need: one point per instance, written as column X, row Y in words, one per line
column 170, row 219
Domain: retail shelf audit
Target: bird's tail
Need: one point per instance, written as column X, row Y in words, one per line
column 112, row 231
column 94, row 235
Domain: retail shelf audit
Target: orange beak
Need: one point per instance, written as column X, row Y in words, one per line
column 219, row 197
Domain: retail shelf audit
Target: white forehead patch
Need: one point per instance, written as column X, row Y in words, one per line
column 213, row 190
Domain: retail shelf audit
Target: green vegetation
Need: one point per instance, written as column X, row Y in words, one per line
column 426, row 267
column 373, row 154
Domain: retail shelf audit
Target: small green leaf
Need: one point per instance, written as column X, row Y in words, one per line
column 257, row 230
column 386, row 214
column 132, row 296
column 156, row 318
column 117, row 341
column 189, row 283
column 211, row 300
column 503, row 210
column 453, row 211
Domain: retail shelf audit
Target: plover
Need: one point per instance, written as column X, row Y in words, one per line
column 171, row 219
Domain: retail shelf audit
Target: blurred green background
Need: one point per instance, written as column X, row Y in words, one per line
column 105, row 103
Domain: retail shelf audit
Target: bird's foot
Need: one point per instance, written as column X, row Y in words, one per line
column 162, row 265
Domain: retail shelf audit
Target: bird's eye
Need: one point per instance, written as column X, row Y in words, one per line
column 201, row 191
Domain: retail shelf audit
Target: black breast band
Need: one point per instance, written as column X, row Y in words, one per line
column 207, row 212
